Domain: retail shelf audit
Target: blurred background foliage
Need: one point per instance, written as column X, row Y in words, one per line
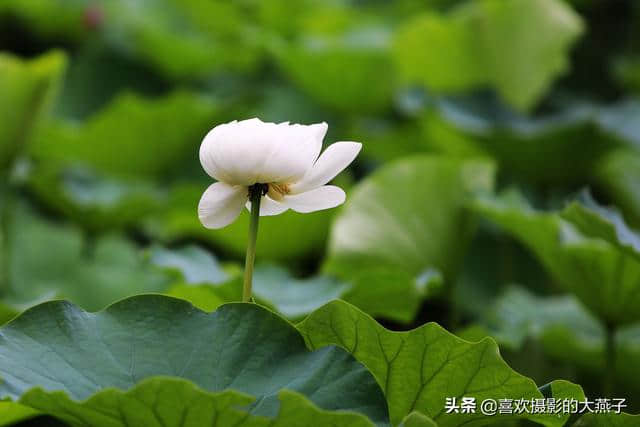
column 104, row 104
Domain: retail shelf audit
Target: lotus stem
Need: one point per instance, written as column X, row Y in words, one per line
column 256, row 192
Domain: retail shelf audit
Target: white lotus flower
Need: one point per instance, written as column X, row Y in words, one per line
column 284, row 157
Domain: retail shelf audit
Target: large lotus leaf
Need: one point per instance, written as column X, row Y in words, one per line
column 564, row 328
column 517, row 47
column 27, row 88
column 603, row 276
column 606, row 223
column 408, row 215
column 524, row 145
column 419, row 369
column 59, row 347
column 131, row 136
column 171, row 402
column 96, row 201
column 518, row 315
column 335, row 70
column 407, row 218
column 619, row 175
column 179, row 38
column 49, row 260
column 13, row 304
column 483, row 270
column 283, row 237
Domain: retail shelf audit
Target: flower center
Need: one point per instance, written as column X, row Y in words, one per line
column 278, row 191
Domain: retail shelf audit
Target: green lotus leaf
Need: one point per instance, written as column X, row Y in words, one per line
column 518, row 315
column 618, row 175
column 121, row 132
column 471, row 46
column 167, row 402
column 68, row 354
column 97, row 202
column 28, row 88
column 562, row 326
column 407, row 218
column 335, row 70
column 179, row 39
column 419, row 369
column 604, row 277
column 525, row 145
column 49, row 260
column 606, row 223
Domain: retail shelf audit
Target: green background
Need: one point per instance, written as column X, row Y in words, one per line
column 497, row 192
